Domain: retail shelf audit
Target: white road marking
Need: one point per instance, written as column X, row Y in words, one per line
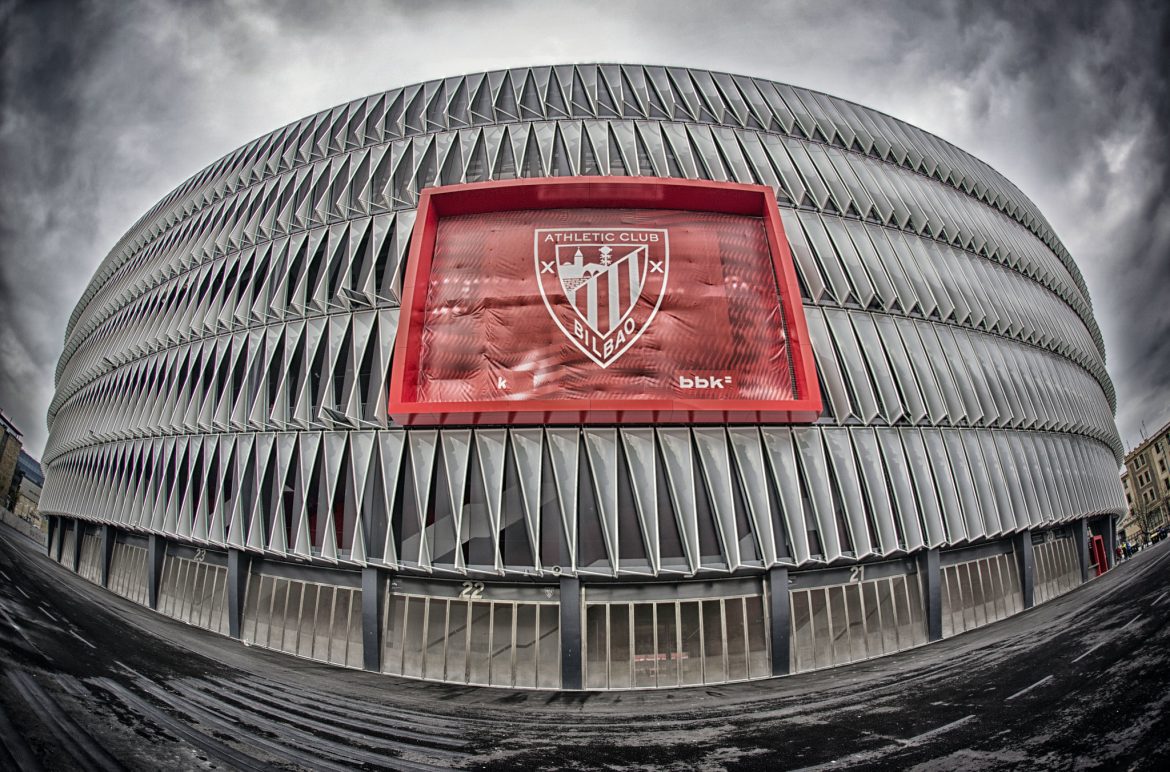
column 1089, row 651
column 1158, row 599
column 21, row 591
column 1027, row 689
column 7, row 578
column 936, row 731
column 21, row 632
column 78, row 637
column 894, row 747
column 48, row 613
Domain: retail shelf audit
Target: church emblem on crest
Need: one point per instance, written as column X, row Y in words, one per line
column 602, row 286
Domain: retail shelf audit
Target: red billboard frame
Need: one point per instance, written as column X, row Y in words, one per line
column 598, row 193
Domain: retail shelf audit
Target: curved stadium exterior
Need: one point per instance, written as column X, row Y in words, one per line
column 231, row 440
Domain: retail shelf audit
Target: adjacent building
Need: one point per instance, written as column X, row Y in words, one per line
column 587, row 376
column 1146, row 481
column 11, row 439
column 28, row 482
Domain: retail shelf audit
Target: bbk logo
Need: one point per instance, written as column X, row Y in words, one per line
column 602, row 286
column 704, row 381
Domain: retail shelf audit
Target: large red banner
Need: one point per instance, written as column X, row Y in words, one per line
column 597, row 313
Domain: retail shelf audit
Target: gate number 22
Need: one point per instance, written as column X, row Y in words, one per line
column 471, row 590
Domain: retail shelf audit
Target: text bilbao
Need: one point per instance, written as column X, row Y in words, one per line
column 593, row 303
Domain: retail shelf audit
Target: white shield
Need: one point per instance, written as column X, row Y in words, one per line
column 602, row 286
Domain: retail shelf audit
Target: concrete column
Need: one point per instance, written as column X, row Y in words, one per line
column 51, row 546
column 373, row 610
column 75, row 558
column 780, row 601
column 58, row 538
column 237, row 584
column 108, row 538
column 1027, row 565
column 1081, row 538
column 570, row 633
column 1111, row 540
column 156, row 551
column 930, row 572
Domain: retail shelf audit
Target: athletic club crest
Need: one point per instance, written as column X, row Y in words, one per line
column 602, row 286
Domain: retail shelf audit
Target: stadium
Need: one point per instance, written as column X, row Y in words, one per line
column 587, row 377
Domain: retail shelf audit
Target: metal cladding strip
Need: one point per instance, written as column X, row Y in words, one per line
column 781, row 458
column 564, row 451
column 528, row 447
column 716, row 466
column 644, row 470
column 490, row 446
column 602, row 450
column 677, row 453
column 390, row 454
column 749, row 462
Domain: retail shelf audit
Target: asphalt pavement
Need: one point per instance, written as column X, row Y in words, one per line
column 89, row 680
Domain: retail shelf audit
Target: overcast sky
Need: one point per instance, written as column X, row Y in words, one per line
column 107, row 106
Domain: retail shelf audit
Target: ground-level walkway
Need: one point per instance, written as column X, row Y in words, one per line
column 90, row 680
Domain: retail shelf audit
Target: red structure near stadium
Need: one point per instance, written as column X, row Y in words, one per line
column 729, row 341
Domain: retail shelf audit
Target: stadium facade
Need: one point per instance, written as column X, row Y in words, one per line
column 587, row 377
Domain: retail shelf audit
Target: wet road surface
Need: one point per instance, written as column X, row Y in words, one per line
column 89, row 680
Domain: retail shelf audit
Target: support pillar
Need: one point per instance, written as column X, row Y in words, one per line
column 156, row 551
column 1111, row 540
column 51, row 546
column 570, row 633
column 930, row 573
column 781, row 604
column 373, row 611
column 1081, row 539
column 1027, row 564
column 60, row 545
column 109, row 536
column 237, row 584
column 75, row 558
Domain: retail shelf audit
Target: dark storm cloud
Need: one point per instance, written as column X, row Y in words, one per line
column 43, row 250
column 106, row 106
column 1090, row 80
